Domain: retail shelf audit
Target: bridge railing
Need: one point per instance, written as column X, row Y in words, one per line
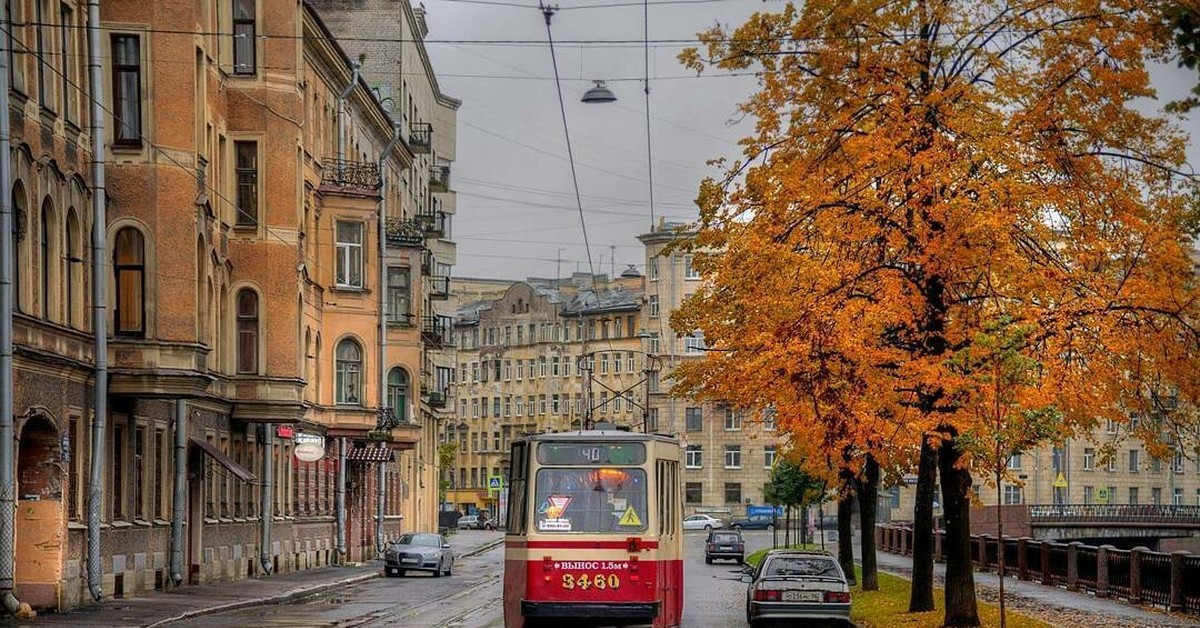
column 1139, row 576
column 1101, row 513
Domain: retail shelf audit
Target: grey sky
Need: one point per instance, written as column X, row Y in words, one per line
column 516, row 208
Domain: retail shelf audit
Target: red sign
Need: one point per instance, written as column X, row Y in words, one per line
column 285, row 431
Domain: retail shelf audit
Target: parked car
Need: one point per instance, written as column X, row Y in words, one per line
column 419, row 552
column 475, row 522
column 702, row 522
column 796, row 585
column 724, row 545
column 753, row 522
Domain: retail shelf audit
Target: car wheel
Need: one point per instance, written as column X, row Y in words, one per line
column 737, row 526
column 437, row 573
column 708, row 560
column 708, row 527
column 770, row 527
column 450, row 570
column 400, row 573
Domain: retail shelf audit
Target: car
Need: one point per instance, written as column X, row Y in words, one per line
column 724, row 545
column 702, row 522
column 753, row 522
column 797, row 586
column 475, row 522
column 419, row 552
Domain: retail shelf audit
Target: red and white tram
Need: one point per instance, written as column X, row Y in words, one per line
column 594, row 532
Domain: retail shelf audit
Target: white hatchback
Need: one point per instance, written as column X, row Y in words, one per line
column 702, row 522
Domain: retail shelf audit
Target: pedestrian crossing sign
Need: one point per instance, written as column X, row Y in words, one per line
column 1060, row 481
column 630, row 519
column 495, row 483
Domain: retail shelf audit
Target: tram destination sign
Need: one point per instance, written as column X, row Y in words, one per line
column 591, row 453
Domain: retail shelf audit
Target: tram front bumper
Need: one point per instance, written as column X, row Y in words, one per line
column 599, row 610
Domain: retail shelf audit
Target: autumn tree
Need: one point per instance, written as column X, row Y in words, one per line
column 913, row 164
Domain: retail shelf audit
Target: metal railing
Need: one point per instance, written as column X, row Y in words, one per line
column 420, row 137
column 1108, row 513
column 437, row 331
column 405, row 232
column 439, row 178
column 432, row 223
column 343, row 174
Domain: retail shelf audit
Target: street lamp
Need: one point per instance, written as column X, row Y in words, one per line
column 600, row 93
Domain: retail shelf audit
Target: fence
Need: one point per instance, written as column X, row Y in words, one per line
column 1139, row 576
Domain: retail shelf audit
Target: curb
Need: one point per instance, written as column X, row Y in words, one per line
column 294, row 594
column 275, row 599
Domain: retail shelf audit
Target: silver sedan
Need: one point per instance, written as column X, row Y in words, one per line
column 419, row 552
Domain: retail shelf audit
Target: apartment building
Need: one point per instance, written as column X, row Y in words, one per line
column 728, row 453
column 249, row 168
column 546, row 356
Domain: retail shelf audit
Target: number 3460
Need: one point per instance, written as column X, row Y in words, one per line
column 585, row 582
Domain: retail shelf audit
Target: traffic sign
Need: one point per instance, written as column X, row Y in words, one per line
column 1060, row 481
column 1102, row 495
column 495, row 483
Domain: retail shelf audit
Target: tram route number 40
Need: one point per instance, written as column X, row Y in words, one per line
column 585, row 581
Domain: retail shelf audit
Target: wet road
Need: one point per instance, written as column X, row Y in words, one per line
column 471, row 598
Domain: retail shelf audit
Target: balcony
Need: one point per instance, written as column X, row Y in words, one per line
column 420, row 138
column 437, row 331
column 427, row 263
column 360, row 178
column 409, row 233
column 439, row 178
column 434, row 397
column 433, row 224
column 439, row 287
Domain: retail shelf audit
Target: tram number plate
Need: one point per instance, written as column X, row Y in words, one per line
column 585, row 581
column 802, row 596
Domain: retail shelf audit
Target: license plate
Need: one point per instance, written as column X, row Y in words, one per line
column 726, row 548
column 411, row 560
column 802, row 596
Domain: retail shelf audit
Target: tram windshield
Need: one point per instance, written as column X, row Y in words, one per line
column 596, row 500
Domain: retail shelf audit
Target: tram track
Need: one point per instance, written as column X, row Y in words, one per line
column 406, row 612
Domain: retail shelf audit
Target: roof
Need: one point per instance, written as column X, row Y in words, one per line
column 591, row 301
column 469, row 313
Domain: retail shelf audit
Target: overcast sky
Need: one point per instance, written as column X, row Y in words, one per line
column 516, row 207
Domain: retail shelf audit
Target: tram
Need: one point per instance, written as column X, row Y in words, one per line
column 594, row 531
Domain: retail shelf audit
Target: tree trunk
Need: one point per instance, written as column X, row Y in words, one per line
column 961, row 608
column 845, row 517
column 868, row 501
column 921, row 596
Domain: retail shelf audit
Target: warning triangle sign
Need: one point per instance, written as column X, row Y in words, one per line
column 1060, row 481
column 558, row 504
column 630, row 518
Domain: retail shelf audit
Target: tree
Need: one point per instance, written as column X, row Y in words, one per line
column 1183, row 17
column 913, row 164
column 791, row 487
column 446, row 453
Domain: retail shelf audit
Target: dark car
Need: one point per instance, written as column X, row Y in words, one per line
column 419, row 552
column 727, row 545
column 797, row 586
column 753, row 522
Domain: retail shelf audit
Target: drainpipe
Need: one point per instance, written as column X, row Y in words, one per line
column 179, row 491
column 341, row 109
column 340, row 497
column 268, row 491
column 8, row 505
column 99, row 297
column 383, row 316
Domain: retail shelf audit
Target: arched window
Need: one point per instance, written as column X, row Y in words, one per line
column 349, row 372
column 247, row 331
column 18, row 228
column 397, row 393
column 73, row 271
column 129, row 271
column 47, row 256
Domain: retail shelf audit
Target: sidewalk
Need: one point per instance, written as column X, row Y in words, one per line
column 158, row 609
column 1049, row 604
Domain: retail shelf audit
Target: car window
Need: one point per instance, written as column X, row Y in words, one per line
column 801, row 566
column 726, row 538
column 420, row 540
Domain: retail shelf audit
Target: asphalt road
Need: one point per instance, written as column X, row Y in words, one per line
column 714, row 597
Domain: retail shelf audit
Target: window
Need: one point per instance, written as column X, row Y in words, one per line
column 129, row 272
column 1112, row 427
column 693, row 493
column 654, row 268
column 349, row 254
column 768, row 456
column 693, row 419
column 1133, row 494
column 1014, row 462
column 127, row 90
column 694, row 457
column 652, row 381
column 141, row 505
column 1089, row 495
column 653, row 344
column 1177, row 497
column 1112, row 464
column 617, row 327
column 507, row 406
column 1089, row 459
column 118, row 472
column 768, row 419
column 1012, row 494
column 67, row 33
column 694, row 343
column 74, row 272
column 520, row 405
column 397, row 392
column 1156, row 496
column 244, row 37
column 542, row 366
column 349, row 372
column 1177, row 463
column 733, row 493
column 495, row 407
column 733, row 456
column 541, row 404
column 689, row 271
column 520, row 369
column 629, row 363
column 49, row 255
column 554, row 400
column 733, row 420
column 246, row 173
column 554, row 366
column 654, row 306
column 652, row 420
column 41, row 46
column 603, row 363
column 399, row 288
column 247, row 331
column 1133, row 461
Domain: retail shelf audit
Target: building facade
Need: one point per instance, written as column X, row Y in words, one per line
column 543, row 357
column 251, row 172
